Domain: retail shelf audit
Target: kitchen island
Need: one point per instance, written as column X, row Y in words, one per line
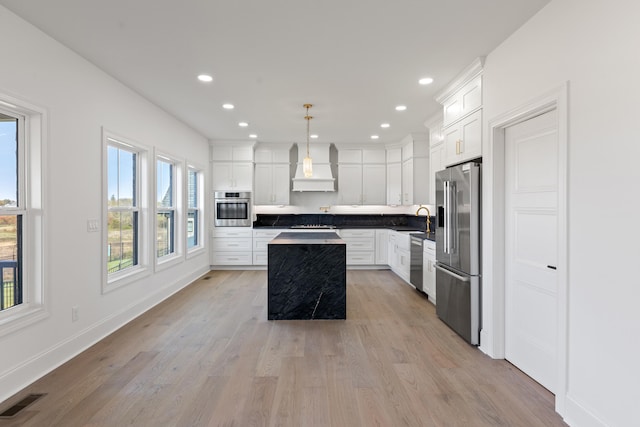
column 307, row 276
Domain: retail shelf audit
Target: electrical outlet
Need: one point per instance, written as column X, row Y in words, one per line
column 74, row 313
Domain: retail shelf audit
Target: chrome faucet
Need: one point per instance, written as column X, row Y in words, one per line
column 428, row 217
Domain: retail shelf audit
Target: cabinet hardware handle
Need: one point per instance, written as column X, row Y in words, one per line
column 552, row 267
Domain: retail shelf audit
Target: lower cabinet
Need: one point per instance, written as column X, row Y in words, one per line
column 361, row 246
column 399, row 254
column 231, row 246
column 261, row 239
column 428, row 270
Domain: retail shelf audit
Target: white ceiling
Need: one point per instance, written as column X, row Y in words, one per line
column 355, row 60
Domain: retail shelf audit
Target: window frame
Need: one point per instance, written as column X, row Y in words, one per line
column 30, row 207
column 177, row 208
column 129, row 275
column 200, row 209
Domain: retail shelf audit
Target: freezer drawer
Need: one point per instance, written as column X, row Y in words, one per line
column 459, row 302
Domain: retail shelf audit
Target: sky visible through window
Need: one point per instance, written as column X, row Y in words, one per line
column 8, row 161
column 120, row 176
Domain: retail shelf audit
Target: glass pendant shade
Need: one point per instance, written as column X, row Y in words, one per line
column 307, row 167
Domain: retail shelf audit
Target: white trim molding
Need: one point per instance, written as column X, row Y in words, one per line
column 493, row 332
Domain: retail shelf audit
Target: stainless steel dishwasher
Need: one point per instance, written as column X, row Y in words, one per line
column 415, row 276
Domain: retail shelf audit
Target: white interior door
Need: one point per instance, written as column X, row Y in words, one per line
column 531, row 187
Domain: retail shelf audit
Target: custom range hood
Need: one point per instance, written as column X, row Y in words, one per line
column 321, row 179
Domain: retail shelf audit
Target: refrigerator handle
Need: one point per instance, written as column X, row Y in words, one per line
column 451, row 273
column 453, row 217
column 447, row 223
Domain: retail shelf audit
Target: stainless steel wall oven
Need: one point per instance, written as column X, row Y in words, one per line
column 232, row 209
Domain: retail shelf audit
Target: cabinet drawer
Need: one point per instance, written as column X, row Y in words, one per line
column 232, row 258
column 348, row 233
column 429, row 247
column 260, row 258
column 261, row 243
column 360, row 258
column 232, row 245
column 361, row 244
column 232, row 232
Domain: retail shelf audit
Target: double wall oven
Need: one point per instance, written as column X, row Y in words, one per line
column 232, row 209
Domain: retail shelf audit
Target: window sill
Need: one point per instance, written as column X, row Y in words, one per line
column 16, row 318
column 195, row 251
column 123, row 278
column 168, row 261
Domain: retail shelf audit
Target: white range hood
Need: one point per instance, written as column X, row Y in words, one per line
column 322, row 178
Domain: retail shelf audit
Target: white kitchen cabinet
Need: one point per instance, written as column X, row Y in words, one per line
column 261, row 239
column 462, row 115
column 361, row 246
column 399, row 255
column 394, row 183
column 463, row 140
column 361, row 177
column 350, row 184
column 428, row 269
column 232, row 152
column 382, row 241
column 231, row 246
column 463, row 101
column 272, row 184
column 232, row 176
column 436, row 163
column 415, row 169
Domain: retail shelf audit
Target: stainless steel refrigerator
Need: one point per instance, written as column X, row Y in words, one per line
column 458, row 266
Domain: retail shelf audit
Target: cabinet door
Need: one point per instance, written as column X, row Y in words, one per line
column 436, row 163
column 394, row 183
column 263, row 189
column 407, row 182
column 452, row 144
column 471, row 134
column 382, row 240
column 350, row 182
column 221, row 174
column 242, row 176
column 374, row 184
column 281, row 184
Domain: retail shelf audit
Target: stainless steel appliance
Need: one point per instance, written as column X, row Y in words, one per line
column 415, row 272
column 232, row 209
column 458, row 249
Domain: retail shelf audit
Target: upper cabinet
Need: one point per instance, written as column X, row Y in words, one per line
column 415, row 169
column 462, row 115
column 436, row 152
column 361, row 176
column 232, row 166
column 394, row 176
column 272, row 175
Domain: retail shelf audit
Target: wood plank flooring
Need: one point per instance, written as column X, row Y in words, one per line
column 208, row 357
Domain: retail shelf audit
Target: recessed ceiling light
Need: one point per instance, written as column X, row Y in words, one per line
column 243, row 124
column 374, row 137
column 228, row 106
column 313, row 136
column 425, row 81
column 205, row 78
column 401, row 107
column 385, row 125
column 253, row 135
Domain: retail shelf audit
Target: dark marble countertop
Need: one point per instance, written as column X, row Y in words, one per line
column 302, row 238
column 425, row 236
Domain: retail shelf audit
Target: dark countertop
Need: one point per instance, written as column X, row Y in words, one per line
column 302, row 238
column 424, row 236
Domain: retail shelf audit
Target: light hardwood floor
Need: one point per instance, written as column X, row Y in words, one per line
column 208, row 357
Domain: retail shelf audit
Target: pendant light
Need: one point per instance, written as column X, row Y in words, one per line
column 307, row 166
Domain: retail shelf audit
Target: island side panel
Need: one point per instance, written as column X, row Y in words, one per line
column 307, row 281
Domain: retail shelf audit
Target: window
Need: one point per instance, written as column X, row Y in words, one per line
column 22, row 248
column 123, row 234
column 11, row 212
column 165, row 207
column 124, row 197
column 193, row 208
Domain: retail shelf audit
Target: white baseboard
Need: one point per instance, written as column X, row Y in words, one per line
column 579, row 416
column 46, row 361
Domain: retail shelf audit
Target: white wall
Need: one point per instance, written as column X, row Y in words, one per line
column 594, row 46
column 80, row 99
